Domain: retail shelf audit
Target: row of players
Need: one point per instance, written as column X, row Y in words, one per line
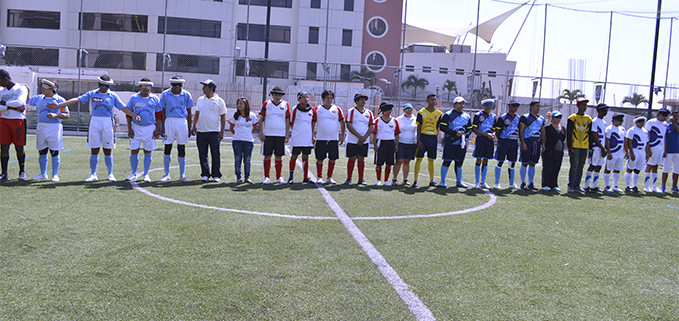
column 396, row 141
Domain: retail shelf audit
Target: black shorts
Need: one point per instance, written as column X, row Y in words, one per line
column 429, row 145
column 453, row 152
column 506, row 150
column 274, row 145
column 296, row 150
column 327, row 149
column 483, row 148
column 406, row 151
column 385, row 153
column 356, row 150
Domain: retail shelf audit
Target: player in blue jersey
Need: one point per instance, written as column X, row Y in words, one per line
column 656, row 127
column 616, row 153
column 100, row 132
column 177, row 104
column 507, row 131
column 671, row 152
column 457, row 125
column 598, row 150
column 484, row 147
column 142, row 129
column 530, row 136
column 49, row 133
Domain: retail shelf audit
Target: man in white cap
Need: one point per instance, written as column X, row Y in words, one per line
column 598, row 158
column 655, row 150
column 100, row 133
column 209, row 124
column 636, row 140
column 49, row 133
column 484, row 146
column 577, row 137
column 507, row 132
column 457, row 125
column 177, row 104
column 274, row 130
column 13, row 98
column 142, row 129
column 359, row 122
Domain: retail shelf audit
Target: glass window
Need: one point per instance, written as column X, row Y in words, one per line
column 377, row 27
column 348, row 5
column 190, row 27
column 376, row 61
column 459, row 71
column 188, row 63
column 113, row 59
column 345, row 72
column 114, row 22
column 280, row 34
column 346, row 37
column 274, row 3
column 33, row 19
column 313, row 34
column 24, row 56
column 426, row 70
column 410, row 68
column 316, row 4
column 275, row 69
column 443, row 70
column 311, row 68
column 492, row 74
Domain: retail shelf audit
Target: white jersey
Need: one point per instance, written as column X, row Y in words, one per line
column 386, row 130
column 616, row 140
column 361, row 122
column 639, row 138
column 327, row 122
column 599, row 127
column 301, row 127
column 408, row 127
column 274, row 117
column 15, row 96
column 656, row 132
column 242, row 127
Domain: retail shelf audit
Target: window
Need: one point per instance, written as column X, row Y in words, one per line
column 459, row 71
column 311, row 70
column 492, row 74
column 477, row 72
column 24, row 56
column 346, row 37
column 377, row 27
column 274, row 3
column 114, row 22
column 410, row 68
column 348, row 5
column 33, row 19
column 443, row 70
column 279, row 34
column 375, row 61
column 113, row 59
column 275, row 69
column 426, row 70
column 188, row 63
column 316, row 4
column 313, row 34
column 190, row 27
column 345, row 72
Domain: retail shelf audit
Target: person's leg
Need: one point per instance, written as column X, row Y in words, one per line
column 581, row 165
column 42, row 161
column 247, row 158
column 331, row 168
column 628, row 178
column 181, row 160
column 94, row 160
column 305, row 165
column 572, row 171
column 397, row 167
column 406, row 169
column 148, row 158
column 167, row 159
column 458, row 174
column 556, row 167
column 445, row 166
column 108, row 160
column 522, row 171
column 5, row 158
column 279, row 166
column 431, row 168
column 292, row 164
column 134, row 161
column 547, row 163
column 237, row 147
column 350, row 167
column 484, row 170
column 498, row 172
column 531, row 173
column 477, row 171
column 216, row 155
column 378, row 173
column 202, row 143
column 21, row 157
column 418, row 164
column 360, row 165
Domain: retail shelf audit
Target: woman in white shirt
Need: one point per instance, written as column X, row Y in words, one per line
column 407, row 143
column 242, row 125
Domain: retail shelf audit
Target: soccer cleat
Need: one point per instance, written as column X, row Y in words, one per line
column 55, row 178
column 523, row 186
column 514, row 186
column 635, row 189
column 433, row 184
column 378, row 183
column 415, row 183
column 394, row 182
column 40, row 177
column 628, row 189
column 3, row 177
column 216, row 179
column 578, row 189
column 461, row 185
column 546, row 189
column 239, row 181
column 616, row 190
column 532, row 187
column 306, row 180
column 485, row 186
column 165, row 178
column 183, row 179
column 477, row 186
column 111, row 178
column 587, row 190
column 131, row 178
column 658, row 190
column 147, row 178
column 607, row 189
column 266, row 181
column 675, row 189
column 442, row 185
column 319, row 180
column 497, row 186
column 330, row 181
column 556, row 189
column 204, row 179
column 281, row 180
column 92, row 178
column 347, row 182
column 595, row 189
column 362, row 182
column 290, row 180
column 387, row 183
column 22, row 176
column 662, row 189
column 648, row 190
column 406, row 182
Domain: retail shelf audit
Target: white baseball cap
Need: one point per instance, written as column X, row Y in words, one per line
column 459, row 99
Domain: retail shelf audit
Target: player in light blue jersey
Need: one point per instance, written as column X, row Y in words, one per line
column 100, row 133
column 484, row 148
column 530, row 136
column 457, row 125
column 177, row 104
column 49, row 132
column 507, row 131
column 142, row 128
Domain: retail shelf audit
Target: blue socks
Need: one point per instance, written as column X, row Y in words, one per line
column 498, row 173
column 182, row 166
column 42, row 160
column 531, row 174
column 512, row 172
column 167, row 159
column 522, row 172
column 458, row 173
column 147, row 163
column 108, row 160
column 94, row 159
column 484, row 172
column 56, row 162
column 477, row 172
column 134, row 163
column 444, row 173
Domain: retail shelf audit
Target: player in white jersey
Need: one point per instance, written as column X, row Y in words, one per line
column 385, row 142
column 274, row 118
column 177, row 117
column 598, row 158
column 616, row 152
column 407, row 143
column 655, row 149
column 142, row 129
column 636, row 140
column 359, row 122
column 13, row 98
column 49, row 133
column 301, row 138
column 329, row 122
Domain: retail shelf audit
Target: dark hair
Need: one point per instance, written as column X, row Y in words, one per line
column 4, row 74
column 176, row 77
column 145, row 79
column 326, row 93
column 105, row 77
column 430, row 95
column 247, row 108
column 533, row 103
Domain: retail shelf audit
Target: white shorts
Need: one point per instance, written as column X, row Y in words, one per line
column 49, row 135
column 639, row 162
column 671, row 162
column 176, row 129
column 615, row 164
column 143, row 134
column 100, row 133
column 656, row 155
column 597, row 159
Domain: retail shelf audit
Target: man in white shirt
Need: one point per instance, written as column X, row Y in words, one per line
column 209, row 123
column 13, row 99
column 301, row 138
column 656, row 127
column 359, row 122
column 274, row 119
column 329, row 122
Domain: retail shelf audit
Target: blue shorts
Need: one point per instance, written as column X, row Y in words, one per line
column 429, row 145
column 507, row 150
column 483, row 148
column 406, row 151
column 453, row 152
column 532, row 155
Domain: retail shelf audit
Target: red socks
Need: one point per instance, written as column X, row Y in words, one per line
column 379, row 173
column 331, row 168
column 350, row 168
column 361, row 167
column 267, row 167
column 319, row 169
column 387, row 171
column 279, row 168
column 293, row 163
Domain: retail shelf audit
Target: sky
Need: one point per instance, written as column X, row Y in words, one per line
column 580, row 34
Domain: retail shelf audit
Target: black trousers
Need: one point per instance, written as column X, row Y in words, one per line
column 551, row 164
column 204, row 141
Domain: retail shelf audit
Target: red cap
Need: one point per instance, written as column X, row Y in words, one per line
column 582, row 101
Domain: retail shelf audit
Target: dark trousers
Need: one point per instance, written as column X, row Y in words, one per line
column 578, row 160
column 551, row 164
column 211, row 140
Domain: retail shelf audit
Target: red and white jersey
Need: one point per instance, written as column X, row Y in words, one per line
column 386, row 130
column 274, row 117
column 327, row 122
column 361, row 122
column 15, row 96
column 301, row 127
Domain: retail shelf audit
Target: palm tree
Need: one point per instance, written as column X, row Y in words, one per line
column 363, row 76
column 415, row 82
column 450, row 86
column 571, row 96
column 635, row 99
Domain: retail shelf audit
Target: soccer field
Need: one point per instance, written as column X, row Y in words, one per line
column 221, row 251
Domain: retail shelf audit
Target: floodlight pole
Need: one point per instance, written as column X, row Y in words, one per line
column 476, row 42
column 544, row 43
column 266, row 49
column 667, row 71
column 608, row 56
column 655, row 56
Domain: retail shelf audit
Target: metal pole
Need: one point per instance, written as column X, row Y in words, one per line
column 325, row 57
column 403, row 45
column 266, row 49
column 162, row 75
column 476, row 42
column 667, row 71
column 608, row 56
column 655, row 56
column 80, row 59
column 544, row 42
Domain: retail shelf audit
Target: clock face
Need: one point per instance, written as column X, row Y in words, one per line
column 377, row 27
column 375, row 61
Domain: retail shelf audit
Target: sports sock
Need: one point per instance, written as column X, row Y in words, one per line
column 607, row 179
column 484, row 172
column 293, row 163
column 5, row 162
column 182, row 166
column 588, row 177
column 350, row 168
column 595, row 180
column 21, row 159
column 387, row 171
column 498, row 173
column 331, row 168
column 108, row 160
column 361, row 168
column 477, row 172
column 148, row 158
column 279, row 168
column 531, row 174
column 512, row 172
column 635, row 179
column 418, row 163
column 319, row 169
column 378, row 171
column 167, row 159
column 134, row 163
column 267, row 168
column 458, row 174
column 647, row 179
column 616, row 178
column 56, row 162
column 522, row 172
column 628, row 179
column 42, row 160
column 444, row 174
column 654, row 180
column 431, row 168
column 94, row 160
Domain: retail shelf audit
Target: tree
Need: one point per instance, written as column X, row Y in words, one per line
column 450, row 86
column 415, row 82
column 363, row 76
column 571, row 96
column 635, row 99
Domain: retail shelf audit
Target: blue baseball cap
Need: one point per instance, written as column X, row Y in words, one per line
column 556, row 114
column 619, row 117
column 602, row 106
column 664, row 111
column 408, row 105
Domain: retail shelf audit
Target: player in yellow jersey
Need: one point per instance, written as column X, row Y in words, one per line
column 428, row 120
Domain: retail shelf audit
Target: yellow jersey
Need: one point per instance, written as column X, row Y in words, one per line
column 578, row 129
column 429, row 121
